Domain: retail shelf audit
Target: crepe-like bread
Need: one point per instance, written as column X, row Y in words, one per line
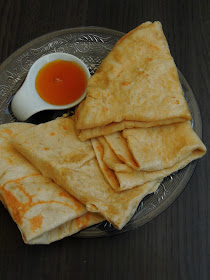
column 158, row 148
column 120, row 147
column 42, row 210
column 158, row 151
column 136, row 85
column 41, row 145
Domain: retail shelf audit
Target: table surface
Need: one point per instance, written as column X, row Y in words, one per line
column 174, row 245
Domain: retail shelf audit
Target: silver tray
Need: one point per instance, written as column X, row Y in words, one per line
column 91, row 44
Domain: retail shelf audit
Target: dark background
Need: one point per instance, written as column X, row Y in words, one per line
column 174, row 245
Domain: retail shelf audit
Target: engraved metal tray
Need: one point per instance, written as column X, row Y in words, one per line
column 91, row 44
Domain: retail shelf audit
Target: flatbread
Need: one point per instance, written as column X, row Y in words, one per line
column 84, row 180
column 120, row 147
column 158, row 148
column 136, row 85
column 68, row 228
column 158, row 151
column 42, row 210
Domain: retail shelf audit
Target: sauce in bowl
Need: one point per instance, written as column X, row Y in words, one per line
column 55, row 81
column 61, row 82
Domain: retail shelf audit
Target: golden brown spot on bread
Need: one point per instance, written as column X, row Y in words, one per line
column 149, row 59
column 19, row 179
column 76, row 203
column 99, row 148
column 126, row 83
column 36, row 222
column 46, row 149
column 64, row 194
column 108, row 171
column 14, row 205
column 20, row 187
column 52, row 134
column 177, row 101
column 119, row 73
column 6, row 131
column 64, row 127
column 82, row 222
column 153, row 48
column 18, row 208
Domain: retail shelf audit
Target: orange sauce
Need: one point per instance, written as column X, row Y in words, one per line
column 61, row 82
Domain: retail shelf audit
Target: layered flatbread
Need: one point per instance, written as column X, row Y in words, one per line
column 136, row 85
column 42, row 144
column 42, row 210
column 120, row 147
column 157, row 151
column 162, row 147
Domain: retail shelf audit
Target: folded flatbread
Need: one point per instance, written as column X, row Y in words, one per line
column 157, row 151
column 76, row 169
column 120, row 147
column 42, row 210
column 162, row 147
column 136, row 85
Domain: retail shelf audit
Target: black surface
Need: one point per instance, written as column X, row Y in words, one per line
column 175, row 245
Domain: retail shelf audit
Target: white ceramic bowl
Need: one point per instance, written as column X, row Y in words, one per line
column 27, row 101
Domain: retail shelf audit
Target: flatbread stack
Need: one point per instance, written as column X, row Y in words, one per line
column 135, row 112
column 43, row 211
column 101, row 180
column 136, row 85
column 58, row 153
column 139, row 155
column 132, row 130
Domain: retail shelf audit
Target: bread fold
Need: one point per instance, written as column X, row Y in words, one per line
column 136, row 85
column 141, row 155
column 42, row 210
column 41, row 145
